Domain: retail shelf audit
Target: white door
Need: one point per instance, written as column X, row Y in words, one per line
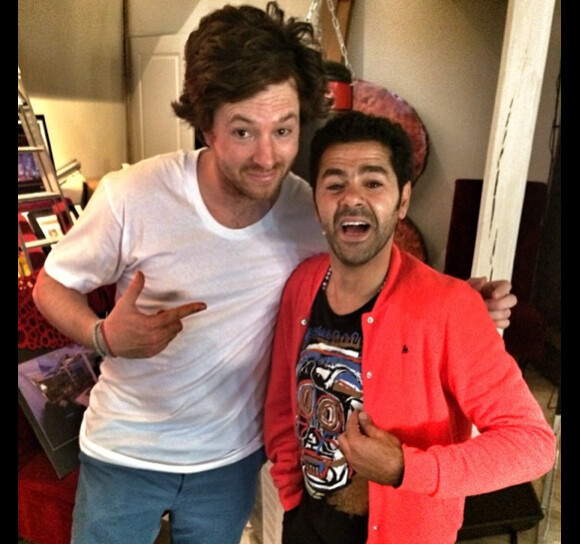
column 156, row 79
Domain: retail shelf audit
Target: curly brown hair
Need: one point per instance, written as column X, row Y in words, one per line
column 236, row 52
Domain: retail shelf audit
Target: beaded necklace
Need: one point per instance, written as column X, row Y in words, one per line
column 329, row 273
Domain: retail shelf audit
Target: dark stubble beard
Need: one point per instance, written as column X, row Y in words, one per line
column 360, row 253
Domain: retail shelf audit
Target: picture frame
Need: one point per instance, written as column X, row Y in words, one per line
column 29, row 178
column 45, row 224
column 53, row 392
column 48, row 225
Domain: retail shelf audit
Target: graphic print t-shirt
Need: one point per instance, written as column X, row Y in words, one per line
column 329, row 383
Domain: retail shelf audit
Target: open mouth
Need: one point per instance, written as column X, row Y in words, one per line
column 355, row 228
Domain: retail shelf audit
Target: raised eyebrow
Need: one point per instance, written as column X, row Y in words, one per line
column 239, row 117
column 372, row 169
column 289, row 117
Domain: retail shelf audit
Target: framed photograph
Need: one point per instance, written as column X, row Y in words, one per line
column 53, row 392
column 29, row 178
column 45, row 224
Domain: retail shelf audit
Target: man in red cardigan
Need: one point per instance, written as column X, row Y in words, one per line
column 382, row 366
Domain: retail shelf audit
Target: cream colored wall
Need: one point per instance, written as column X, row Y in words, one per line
column 441, row 56
column 71, row 57
column 152, row 18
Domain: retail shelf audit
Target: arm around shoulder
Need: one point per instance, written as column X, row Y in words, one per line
column 498, row 298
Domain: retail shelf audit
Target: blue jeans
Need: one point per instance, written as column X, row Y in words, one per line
column 119, row 505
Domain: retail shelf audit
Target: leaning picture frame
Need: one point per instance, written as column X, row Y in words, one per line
column 45, row 224
column 50, row 226
column 53, row 392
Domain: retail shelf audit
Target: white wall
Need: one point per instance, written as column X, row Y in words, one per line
column 441, row 56
column 70, row 53
column 152, row 18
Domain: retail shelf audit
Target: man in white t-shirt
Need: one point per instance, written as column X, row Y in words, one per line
column 199, row 245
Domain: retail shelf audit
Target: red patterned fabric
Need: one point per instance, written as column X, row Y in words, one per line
column 409, row 239
column 45, row 502
column 376, row 100
column 34, row 331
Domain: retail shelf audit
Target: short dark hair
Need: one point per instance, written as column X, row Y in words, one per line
column 236, row 52
column 355, row 126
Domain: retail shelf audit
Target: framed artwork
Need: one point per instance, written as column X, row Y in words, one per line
column 45, row 224
column 29, row 178
column 49, row 226
column 53, row 392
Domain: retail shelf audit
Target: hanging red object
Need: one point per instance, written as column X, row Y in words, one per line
column 342, row 94
column 339, row 85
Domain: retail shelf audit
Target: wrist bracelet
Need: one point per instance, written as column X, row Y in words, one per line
column 98, row 348
column 99, row 341
column 103, row 337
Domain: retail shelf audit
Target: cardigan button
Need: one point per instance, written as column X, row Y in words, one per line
column 304, row 322
column 370, row 319
column 369, row 374
column 375, row 528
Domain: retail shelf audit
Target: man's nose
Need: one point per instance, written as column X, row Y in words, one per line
column 264, row 154
column 352, row 195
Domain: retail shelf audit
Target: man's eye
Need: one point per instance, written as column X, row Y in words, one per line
column 284, row 132
column 241, row 133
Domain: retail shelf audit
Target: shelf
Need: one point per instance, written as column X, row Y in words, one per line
column 54, row 224
column 35, row 197
column 45, row 242
column 30, row 149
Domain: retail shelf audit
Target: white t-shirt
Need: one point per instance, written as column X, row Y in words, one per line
column 198, row 404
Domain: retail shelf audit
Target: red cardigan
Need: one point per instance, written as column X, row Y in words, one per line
column 433, row 364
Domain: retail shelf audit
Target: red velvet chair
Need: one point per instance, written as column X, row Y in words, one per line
column 526, row 335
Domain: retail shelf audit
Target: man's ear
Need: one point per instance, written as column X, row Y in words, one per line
column 405, row 200
column 206, row 137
